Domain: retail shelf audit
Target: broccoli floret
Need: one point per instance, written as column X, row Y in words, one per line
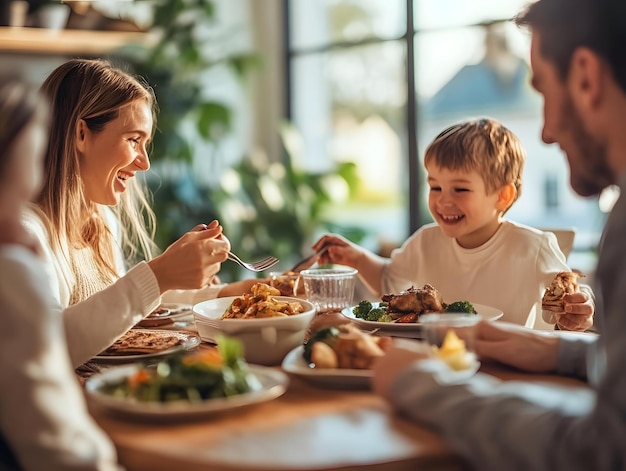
column 385, row 318
column 375, row 314
column 362, row 309
column 461, row 306
column 327, row 335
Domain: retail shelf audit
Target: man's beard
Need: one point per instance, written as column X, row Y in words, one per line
column 592, row 174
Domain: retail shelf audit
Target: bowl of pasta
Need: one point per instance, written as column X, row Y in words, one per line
column 268, row 325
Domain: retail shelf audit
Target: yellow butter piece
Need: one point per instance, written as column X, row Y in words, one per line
column 452, row 343
column 453, row 351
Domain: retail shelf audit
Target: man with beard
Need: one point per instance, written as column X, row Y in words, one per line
column 578, row 62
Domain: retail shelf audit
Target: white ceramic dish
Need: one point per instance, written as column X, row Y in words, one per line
column 266, row 341
column 175, row 311
column 273, row 384
column 166, row 315
column 337, row 378
column 486, row 312
column 189, row 342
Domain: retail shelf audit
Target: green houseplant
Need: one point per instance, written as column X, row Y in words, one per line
column 255, row 222
column 277, row 207
column 174, row 65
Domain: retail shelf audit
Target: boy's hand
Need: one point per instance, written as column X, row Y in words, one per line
column 338, row 250
column 578, row 312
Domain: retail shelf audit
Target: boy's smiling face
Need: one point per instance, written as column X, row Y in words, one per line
column 460, row 205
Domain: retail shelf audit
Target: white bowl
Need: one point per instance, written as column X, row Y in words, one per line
column 266, row 341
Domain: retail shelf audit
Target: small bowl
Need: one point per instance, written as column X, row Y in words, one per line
column 330, row 288
column 436, row 325
column 266, row 341
column 458, row 353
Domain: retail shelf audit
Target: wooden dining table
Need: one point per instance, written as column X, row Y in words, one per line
column 309, row 428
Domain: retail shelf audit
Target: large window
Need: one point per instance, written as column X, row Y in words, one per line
column 373, row 81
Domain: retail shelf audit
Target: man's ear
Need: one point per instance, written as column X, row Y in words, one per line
column 81, row 135
column 585, row 78
column 506, row 196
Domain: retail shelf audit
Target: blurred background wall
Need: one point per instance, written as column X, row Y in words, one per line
column 288, row 118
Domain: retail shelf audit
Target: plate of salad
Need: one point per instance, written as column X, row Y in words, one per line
column 186, row 385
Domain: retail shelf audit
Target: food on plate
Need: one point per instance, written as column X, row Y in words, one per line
column 461, row 306
column 415, row 300
column 288, row 283
column 260, row 303
column 454, row 353
column 366, row 311
column 137, row 342
column 406, row 306
column 194, row 377
column 325, row 319
column 564, row 282
column 344, row 346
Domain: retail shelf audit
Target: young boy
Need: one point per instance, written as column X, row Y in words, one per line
column 471, row 253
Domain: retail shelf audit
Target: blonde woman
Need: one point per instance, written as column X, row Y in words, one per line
column 44, row 423
column 92, row 216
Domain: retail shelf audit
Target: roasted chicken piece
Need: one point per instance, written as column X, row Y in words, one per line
column 415, row 300
column 431, row 299
column 405, row 301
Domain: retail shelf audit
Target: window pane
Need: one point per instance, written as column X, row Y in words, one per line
column 488, row 76
column 349, row 105
column 321, row 22
column 434, row 14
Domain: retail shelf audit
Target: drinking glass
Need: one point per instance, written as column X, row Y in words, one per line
column 329, row 288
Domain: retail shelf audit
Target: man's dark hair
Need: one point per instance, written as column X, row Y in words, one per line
column 565, row 25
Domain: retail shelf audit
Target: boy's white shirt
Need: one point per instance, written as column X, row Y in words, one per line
column 509, row 272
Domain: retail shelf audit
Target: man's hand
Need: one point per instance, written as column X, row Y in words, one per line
column 388, row 366
column 517, row 346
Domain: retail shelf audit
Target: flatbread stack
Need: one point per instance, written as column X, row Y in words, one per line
column 564, row 282
column 138, row 342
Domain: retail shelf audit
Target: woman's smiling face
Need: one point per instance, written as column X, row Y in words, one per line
column 110, row 157
column 460, row 205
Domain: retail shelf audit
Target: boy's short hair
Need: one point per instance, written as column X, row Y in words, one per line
column 483, row 145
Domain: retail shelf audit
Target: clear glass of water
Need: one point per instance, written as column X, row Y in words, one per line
column 329, row 288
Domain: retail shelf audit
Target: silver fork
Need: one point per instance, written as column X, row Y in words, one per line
column 259, row 265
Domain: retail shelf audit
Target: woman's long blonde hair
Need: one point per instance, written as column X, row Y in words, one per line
column 92, row 91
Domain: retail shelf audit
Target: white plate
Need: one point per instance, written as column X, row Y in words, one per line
column 190, row 341
column 486, row 312
column 174, row 312
column 273, row 384
column 295, row 364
